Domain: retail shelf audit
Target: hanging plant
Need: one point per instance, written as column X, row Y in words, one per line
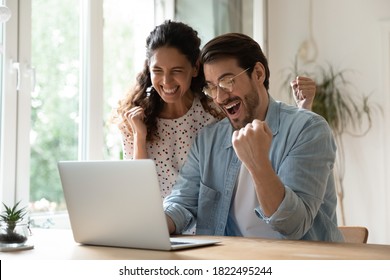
column 344, row 109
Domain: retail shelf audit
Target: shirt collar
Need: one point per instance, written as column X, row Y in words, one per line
column 273, row 115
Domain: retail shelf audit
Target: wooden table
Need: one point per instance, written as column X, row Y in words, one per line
column 59, row 245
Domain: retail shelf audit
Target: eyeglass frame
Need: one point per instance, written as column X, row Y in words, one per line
column 229, row 89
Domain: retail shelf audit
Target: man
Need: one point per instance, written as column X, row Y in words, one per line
column 264, row 171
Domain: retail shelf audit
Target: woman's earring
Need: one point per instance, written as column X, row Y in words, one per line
column 149, row 91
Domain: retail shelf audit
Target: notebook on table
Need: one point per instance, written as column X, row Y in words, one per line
column 118, row 203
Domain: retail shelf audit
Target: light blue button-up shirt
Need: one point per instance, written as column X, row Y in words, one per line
column 302, row 155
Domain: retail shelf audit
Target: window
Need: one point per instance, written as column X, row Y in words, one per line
column 55, row 56
column 61, row 108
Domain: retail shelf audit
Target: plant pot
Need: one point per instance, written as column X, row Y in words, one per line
column 14, row 234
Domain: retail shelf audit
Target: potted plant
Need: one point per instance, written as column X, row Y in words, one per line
column 12, row 228
column 344, row 109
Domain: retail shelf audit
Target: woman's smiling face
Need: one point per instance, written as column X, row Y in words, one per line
column 171, row 73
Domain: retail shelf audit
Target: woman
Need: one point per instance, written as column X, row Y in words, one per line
column 164, row 111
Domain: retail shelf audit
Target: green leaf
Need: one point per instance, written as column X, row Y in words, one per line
column 14, row 214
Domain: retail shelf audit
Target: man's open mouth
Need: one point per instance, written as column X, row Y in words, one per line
column 233, row 107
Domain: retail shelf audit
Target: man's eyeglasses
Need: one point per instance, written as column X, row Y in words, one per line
column 226, row 84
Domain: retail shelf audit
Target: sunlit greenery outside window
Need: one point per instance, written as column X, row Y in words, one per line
column 55, row 99
column 55, row 114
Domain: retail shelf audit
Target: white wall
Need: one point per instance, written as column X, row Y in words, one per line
column 350, row 34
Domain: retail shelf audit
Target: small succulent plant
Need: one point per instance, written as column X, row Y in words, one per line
column 9, row 219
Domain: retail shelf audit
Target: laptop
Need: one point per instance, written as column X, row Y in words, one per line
column 118, row 203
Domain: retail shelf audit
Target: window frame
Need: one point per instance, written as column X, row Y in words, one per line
column 91, row 140
column 18, row 75
column 11, row 188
